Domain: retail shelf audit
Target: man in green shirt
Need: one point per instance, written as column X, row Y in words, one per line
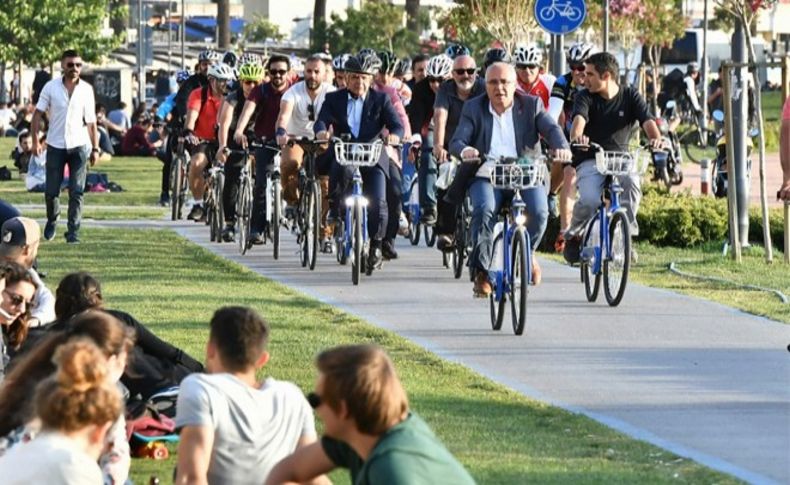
column 368, row 427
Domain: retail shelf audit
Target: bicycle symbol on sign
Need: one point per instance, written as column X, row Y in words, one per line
column 563, row 9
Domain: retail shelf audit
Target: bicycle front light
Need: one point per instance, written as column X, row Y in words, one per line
column 521, row 219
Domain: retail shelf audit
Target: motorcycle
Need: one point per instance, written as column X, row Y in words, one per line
column 719, row 176
column 667, row 162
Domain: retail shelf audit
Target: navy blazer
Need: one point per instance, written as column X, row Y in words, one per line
column 530, row 121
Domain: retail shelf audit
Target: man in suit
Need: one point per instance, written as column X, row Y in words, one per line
column 503, row 124
column 362, row 114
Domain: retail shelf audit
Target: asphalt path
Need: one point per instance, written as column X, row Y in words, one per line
column 700, row 379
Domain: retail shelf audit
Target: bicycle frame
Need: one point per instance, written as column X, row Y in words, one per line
column 504, row 278
column 352, row 200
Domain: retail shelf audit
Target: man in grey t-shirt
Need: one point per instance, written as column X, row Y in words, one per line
column 233, row 428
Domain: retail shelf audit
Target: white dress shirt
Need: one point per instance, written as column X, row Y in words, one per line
column 68, row 116
column 354, row 112
column 503, row 140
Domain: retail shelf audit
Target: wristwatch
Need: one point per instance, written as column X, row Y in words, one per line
column 97, row 150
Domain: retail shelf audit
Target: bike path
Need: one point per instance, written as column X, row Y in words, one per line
column 700, row 379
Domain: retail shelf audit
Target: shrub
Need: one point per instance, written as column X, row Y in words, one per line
column 680, row 219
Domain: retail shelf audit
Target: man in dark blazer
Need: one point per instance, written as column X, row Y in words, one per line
column 502, row 124
column 363, row 115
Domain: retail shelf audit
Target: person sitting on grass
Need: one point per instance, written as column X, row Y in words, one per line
column 368, row 427
column 23, row 151
column 135, row 142
column 18, row 288
column 36, row 169
column 234, row 428
column 76, row 406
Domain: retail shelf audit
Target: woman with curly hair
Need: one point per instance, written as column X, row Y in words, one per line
column 17, row 290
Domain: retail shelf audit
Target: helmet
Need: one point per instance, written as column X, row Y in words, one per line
column 579, row 52
column 528, row 54
column 457, row 50
column 363, row 63
column 249, row 58
column 250, row 72
column 339, row 62
column 182, row 76
column 209, row 55
column 388, row 61
column 221, row 71
column 439, row 66
column 230, row 58
column 495, row 54
column 403, row 67
column 366, row 51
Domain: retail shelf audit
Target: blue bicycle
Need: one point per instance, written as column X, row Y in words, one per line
column 351, row 234
column 512, row 259
column 606, row 244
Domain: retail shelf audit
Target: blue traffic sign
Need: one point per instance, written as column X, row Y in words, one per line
column 560, row 17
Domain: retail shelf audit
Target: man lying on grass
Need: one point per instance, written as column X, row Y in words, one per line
column 368, row 427
column 233, row 428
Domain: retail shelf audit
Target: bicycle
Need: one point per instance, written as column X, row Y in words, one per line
column 308, row 209
column 351, row 233
column 512, row 259
column 606, row 244
column 698, row 142
column 413, row 215
column 215, row 217
column 244, row 200
column 462, row 238
column 179, row 169
column 273, row 208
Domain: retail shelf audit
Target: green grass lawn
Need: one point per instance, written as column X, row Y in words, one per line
column 173, row 286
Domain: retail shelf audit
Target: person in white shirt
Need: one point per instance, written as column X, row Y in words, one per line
column 7, row 119
column 234, row 428
column 72, row 139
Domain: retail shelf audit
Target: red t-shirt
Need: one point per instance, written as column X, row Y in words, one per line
column 267, row 102
column 135, row 141
column 205, row 126
column 541, row 89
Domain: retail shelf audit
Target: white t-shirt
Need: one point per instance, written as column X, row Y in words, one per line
column 7, row 116
column 300, row 124
column 50, row 458
column 253, row 428
column 68, row 116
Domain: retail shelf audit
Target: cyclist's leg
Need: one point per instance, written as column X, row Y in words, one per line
column 375, row 189
column 290, row 162
column 230, row 191
column 567, row 196
column 537, row 213
column 481, row 192
column 263, row 164
column 323, row 164
column 590, row 184
column 427, row 179
column 197, row 183
column 394, row 202
column 630, row 199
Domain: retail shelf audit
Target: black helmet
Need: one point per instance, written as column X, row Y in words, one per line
column 457, row 50
column 495, row 54
column 404, row 67
column 388, row 62
column 363, row 63
column 230, row 59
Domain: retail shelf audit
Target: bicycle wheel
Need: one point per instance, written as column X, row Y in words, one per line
column 277, row 210
column 519, row 285
column 592, row 240
column 459, row 252
column 663, row 176
column 356, row 261
column 314, row 224
column 302, row 221
column 177, row 186
column 414, row 224
column 616, row 266
column 497, row 310
column 219, row 215
column 243, row 209
column 430, row 235
column 695, row 149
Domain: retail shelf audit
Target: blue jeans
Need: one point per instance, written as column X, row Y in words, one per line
column 57, row 158
column 486, row 204
column 427, row 175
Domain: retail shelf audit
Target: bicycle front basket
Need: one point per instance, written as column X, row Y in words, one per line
column 358, row 154
column 621, row 163
column 511, row 176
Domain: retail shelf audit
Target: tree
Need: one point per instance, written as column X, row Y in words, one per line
column 413, row 16
column 260, row 30
column 377, row 24
column 36, row 32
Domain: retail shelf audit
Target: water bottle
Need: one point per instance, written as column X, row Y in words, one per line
column 498, row 256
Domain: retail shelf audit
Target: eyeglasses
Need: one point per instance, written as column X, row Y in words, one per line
column 468, row 71
column 314, row 400
column 577, row 68
column 16, row 300
column 277, row 72
column 249, row 82
column 311, row 112
column 74, row 64
column 434, row 79
column 523, row 67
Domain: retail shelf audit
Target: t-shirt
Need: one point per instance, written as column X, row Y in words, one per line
column 135, row 142
column 610, row 122
column 447, row 98
column 205, row 126
column 267, row 100
column 7, row 117
column 301, row 123
column 786, row 110
column 50, row 458
column 408, row 454
column 253, row 428
column 565, row 89
column 541, row 88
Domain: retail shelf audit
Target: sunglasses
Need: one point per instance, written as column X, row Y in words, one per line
column 74, row 64
column 314, row 400
column 277, row 72
column 16, row 300
column 435, row 79
column 311, row 112
column 248, row 83
column 526, row 66
column 468, row 71
column 578, row 68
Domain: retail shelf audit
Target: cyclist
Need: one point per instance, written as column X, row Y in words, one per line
column 403, row 71
column 560, row 108
column 604, row 113
column 299, row 108
column 343, row 113
column 264, row 103
column 200, row 128
column 386, row 76
column 338, row 65
column 690, row 81
column 420, row 112
column 250, row 76
column 495, row 54
column 418, row 65
column 531, row 79
column 165, row 112
column 197, row 80
column 503, row 123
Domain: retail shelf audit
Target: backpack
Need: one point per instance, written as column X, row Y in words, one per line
column 5, row 173
column 673, row 84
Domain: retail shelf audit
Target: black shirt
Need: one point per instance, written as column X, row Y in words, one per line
column 610, row 123
column 447, row 98
column 180, row 103
column 420, row 110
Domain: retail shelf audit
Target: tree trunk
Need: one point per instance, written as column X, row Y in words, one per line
column 412, row 16
column 319, row 24
column 223, row 24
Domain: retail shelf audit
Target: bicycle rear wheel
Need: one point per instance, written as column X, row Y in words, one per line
column 243, row 211
column 414, row 224
column 430, row 235
column 592, row 245
column 618, row 262
column 314, row 224
column 219, row 215
column 459, row 251
column 497, row 310
column 302, row 222
column 177, row 186
column 356, row 262
column 519, row 285
column 277, row 210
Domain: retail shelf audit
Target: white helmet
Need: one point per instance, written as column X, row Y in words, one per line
column 528, row 54
column 439, row 66
column 221, row 71
column 249, row 58
column 209, row 55
column 579, row 52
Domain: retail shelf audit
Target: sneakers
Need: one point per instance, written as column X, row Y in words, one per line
column 554, row 206
column 482, row 288
column 327, row 246
column 374, row 254
column 256, row 237
column 445, row 242
column 428, row 216
column 229, row 234
column 197, row 213
column 72, row 239
column 49, row 230
column 164, row 199
column 404, row 229
column 388, row 250
column 573, row 249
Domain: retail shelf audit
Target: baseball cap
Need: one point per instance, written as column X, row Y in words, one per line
column 17, row 233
